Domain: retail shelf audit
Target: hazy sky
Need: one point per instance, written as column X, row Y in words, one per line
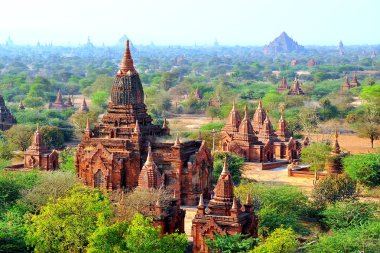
column 236, row 22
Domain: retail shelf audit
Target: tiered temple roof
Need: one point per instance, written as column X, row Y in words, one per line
column 283, row 86
column 295, row 89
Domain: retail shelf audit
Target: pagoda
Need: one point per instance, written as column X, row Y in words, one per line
column 255, row 140
column 59, row 104
column 311, row 63
column 112, row 154
column 354, row 82
column 39, row 156
column 6, row 118
column 346, row 85
column 295, row 89
column 225, row 215
column 84, row 107
column 283, row 86
column 333, row 163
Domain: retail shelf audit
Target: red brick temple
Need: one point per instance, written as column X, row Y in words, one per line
column 59, row 104
column 169, row 217
column 6, row 118
column 225, row 215
column 39, row 156
column 283, row 86
column 255, row 139
column 295, row 89
column 354, row 81
column 111, row 155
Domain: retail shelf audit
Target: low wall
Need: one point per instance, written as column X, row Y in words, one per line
column 305, row 174
column 264, row 166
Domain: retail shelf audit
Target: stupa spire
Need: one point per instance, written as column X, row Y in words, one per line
column 127, row 62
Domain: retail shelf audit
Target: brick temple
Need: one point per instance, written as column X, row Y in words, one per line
column 255, row 139
column 59, row 104
column 225, row 215
column 111, row 155
column 6, row 118
column 283, row 86
column 295, row 89
column 39, row 156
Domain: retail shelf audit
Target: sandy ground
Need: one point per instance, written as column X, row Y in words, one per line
column 188, row 122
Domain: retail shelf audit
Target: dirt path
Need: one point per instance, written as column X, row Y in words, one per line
column 188, row 122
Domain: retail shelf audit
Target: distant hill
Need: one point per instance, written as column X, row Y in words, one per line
column 283, row 44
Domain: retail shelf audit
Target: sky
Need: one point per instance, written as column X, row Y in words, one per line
column 185, row 22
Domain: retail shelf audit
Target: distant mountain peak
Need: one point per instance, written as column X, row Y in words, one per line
column 283, row 44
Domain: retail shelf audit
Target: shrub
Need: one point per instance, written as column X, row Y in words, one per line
column 364, row 168
column 334, row 188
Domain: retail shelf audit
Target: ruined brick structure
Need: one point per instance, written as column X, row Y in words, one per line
column 333, row 164
column 169, row 217
column 84, row 107
column 6, row 118
column 255, row 139
column 225, row 215
column 112, row 155
column 283, row 86
column 311, row 63
column 39, row 156
column 59, row 104
column 295, row 89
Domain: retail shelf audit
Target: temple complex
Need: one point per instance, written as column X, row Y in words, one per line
column 295, row 89
column 39, row 156
column 112, row 155
column 347, row 85
column 6, row 118
column 283, row 86
column 59, row 104
column 225, row 215
column 255, row 139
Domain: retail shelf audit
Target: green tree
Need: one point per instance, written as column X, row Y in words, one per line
column 334, row 188
column 347, row 214
column 230, row 243
column 19, row 136
column 99, row 98
column 316, row 154
column 213, row 112
column 364, row 168
column 66, row 224
column 136, row 237
column 280, row 241
column 52, row 137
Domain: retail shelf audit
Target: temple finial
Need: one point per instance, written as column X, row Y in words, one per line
column 88, row 128
column 177, row 141
column 137, row 127
column 201, row 201
column 248, row 201
column 234, row 204
column 225, row 166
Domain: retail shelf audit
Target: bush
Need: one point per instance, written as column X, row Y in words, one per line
column 334, row 188
column 280, row 241
column 347, row 214
column 230, row 243
column 364, row 168
column 276, row 206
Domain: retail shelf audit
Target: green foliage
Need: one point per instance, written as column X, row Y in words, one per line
column 53, row 137
column 348, row 214
column 234, row 166
column 67, row 160
column 316, row 154
column 99, row 98
column 5, row 150
column 230, row 243
column 66, row 224
column 280, row 241
column 138, row 236
column 332, row 188
column 349, row 240
column 276, row 206
column 19, row 137
column 209, row 126
column 364, row 168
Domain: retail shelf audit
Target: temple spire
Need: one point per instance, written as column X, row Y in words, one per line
column 137, row 128
column 177, row 140
column 127, row 62
column 88, row 128
column 84, row 107
column 248, row 201
column 225, row 170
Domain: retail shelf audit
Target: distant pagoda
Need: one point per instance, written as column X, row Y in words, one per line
column 295, row 89
column 59, row 104
column 283, row 44
column 283, row 86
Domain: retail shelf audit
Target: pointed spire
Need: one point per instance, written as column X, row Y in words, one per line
column 149, row 158
column 127, row 62
column 225, row 170
column 234, row 204
column 165, row 124
column 88, row 128
column 201, row 201
column 200, row 136
column 260, row 105
column 246, row 113
column 336, row 148
column 84, row 107
column 59, row 99
column 248, row 201
column 177, row 140
column 137, row 127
